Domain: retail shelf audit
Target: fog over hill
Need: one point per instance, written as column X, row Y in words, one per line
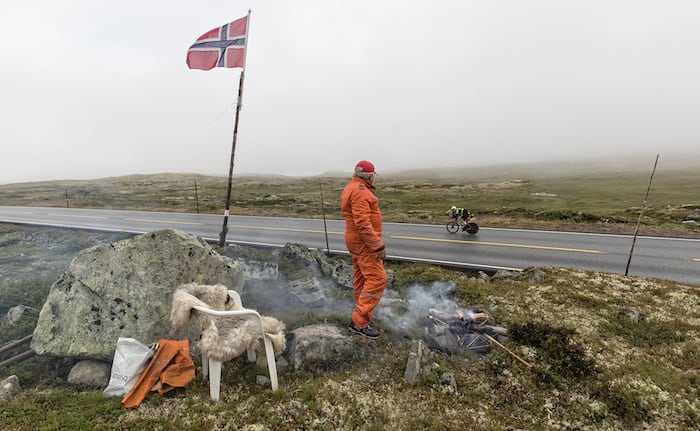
column 453, row 170
column 546, row 169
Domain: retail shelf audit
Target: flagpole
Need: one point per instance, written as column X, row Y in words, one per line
column 224, row 229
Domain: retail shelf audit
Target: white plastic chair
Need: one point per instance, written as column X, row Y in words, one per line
column 212, row 367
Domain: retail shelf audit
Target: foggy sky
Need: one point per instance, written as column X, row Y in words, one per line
column 93, row 89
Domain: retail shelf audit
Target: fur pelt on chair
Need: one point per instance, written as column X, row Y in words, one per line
column 224, row 338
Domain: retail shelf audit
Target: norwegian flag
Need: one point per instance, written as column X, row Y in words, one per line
column 220, row 47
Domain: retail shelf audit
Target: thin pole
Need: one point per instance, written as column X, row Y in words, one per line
column 196, row 195
column 16, row 343
column 639, row 220
column 18, row 358
column 224, row 229
column 323, row 211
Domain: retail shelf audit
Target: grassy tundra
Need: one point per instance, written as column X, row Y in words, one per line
column 609, row 352
column 602, row 198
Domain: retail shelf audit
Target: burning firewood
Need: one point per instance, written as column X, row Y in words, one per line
column 471, row 329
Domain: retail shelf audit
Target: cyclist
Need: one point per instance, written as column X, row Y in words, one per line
column 460, row 215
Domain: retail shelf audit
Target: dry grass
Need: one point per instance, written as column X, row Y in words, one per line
column 541, row 197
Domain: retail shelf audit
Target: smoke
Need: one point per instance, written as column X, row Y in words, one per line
column 313, row 298
column 407, row 316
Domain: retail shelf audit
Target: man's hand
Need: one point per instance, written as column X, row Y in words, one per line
column 381, row 253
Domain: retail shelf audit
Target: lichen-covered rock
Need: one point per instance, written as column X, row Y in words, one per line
column 125, row 289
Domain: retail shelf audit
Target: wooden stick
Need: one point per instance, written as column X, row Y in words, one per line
column 493, row 340
column 12, row 344
column 21, row 357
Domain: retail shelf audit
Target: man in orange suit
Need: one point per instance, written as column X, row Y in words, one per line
column 363, row 230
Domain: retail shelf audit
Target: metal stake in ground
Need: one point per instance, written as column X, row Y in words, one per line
column 639, row 220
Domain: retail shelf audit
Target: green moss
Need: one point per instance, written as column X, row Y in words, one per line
column 473, row 292
column 559, row 358
column 568, row 215
column 417, row 273
column 646, row 333
column 623, row 403
column 309, row 390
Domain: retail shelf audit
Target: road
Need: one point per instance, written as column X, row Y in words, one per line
column 489, row 250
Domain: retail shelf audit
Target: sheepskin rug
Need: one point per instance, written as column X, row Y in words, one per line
column 224, row 338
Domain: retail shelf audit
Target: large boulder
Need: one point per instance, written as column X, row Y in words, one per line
column 125, row 289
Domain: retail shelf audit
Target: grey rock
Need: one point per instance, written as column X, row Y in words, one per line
column 94, row 374
column 255, row 270
column 308, row 291
column 14, row 314
column 535, row 275
column 340, row 270
column 420, row 363
column 125, row 289
column 282, row 364
column 414, row 362
column 484, row 276
column 440, row 337
column 9, row 387
column 448, row 384
column 316, row 343
column 502, row 273
column 633, row 315
column 301, row 254
column 261, row 380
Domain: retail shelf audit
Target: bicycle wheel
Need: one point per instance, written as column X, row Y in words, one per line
column 472, row 228
column 452, row 227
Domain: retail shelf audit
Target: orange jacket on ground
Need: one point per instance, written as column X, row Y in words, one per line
column 363, row 229
column 171, row 367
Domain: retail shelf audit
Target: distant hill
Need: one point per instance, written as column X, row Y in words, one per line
column 546, row 169
column 553, row 168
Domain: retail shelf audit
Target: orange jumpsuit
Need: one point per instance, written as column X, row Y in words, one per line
column 170, row 367
column 363, row 229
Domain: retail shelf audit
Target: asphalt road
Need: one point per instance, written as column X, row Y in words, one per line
column 489, row 250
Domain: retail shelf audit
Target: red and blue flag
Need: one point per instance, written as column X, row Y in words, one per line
column 220, row 47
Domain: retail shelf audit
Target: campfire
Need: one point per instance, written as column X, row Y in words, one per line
column 465, row 329
column 471, row 329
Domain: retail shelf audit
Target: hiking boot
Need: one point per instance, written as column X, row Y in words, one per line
column 367, row 332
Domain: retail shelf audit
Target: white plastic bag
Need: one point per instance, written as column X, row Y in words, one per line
column 130, row 359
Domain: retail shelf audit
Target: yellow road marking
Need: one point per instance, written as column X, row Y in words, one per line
column 162, row 221
column 541, row 247
column 75, row 216
column 499, row 244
